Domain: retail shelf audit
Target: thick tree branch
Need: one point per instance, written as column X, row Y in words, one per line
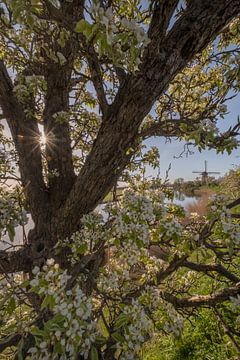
column 202, row 300
column 67, row 14
column 58, row 146
column 97, row 78
column 235, row 216
column 206, row 268
column 118, row 133
column 16, row 261
column 234, row 204
column 58, row 78
column 171, row 128
column 25, row 134
column 162, row 14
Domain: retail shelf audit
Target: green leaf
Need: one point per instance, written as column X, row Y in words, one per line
column 84, row 27
column 11, row 232
column 48, row 301
column 100, row 340
column 81, row 26
column 20, row 347
column 37, row 332
column 4, row 300
column 118, row 337
column 121, row 321
column 11, row 306
column 56, row 323
column 58, row 348
column 94, row 353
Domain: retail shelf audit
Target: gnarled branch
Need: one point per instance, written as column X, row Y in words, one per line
column 202, row 300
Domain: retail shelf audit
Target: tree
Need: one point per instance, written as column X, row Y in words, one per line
column 96, row 78
column 178, row 182
column 230, row 183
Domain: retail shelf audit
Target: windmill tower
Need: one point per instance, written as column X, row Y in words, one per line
column 205, row 173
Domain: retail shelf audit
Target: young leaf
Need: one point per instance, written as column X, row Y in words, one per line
column 94, row 353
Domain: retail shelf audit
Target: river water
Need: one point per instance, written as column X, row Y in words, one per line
column 184, row 200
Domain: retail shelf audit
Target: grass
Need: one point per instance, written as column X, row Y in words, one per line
column 202, row 339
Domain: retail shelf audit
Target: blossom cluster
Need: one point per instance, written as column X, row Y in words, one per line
column 229, row 229
column 114, row 282
column 27, row 86
column 115, row 279
column 106, row 18
column 84, row 240
column 174, row 324
column 131, row 254
column 138, row 326
column 133, row 218
column 72, row 330
column 152, row 267
column 209, row 126
column 171, row 228
column 114, row 36
column 132, row 222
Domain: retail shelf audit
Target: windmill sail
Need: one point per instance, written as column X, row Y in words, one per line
column 205, row 173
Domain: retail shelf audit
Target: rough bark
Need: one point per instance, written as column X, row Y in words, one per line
column 58, row 146
column 161, row 16
column 58, row 80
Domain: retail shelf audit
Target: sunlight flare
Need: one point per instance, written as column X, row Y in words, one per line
column 43, row 138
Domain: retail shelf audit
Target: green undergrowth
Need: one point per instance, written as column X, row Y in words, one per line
column 202, row 339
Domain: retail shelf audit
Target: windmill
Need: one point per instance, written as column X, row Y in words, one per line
column 205, row 173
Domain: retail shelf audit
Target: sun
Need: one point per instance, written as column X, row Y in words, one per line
column 43, row 138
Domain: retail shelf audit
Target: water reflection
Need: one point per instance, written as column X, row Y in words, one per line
column 183, row 199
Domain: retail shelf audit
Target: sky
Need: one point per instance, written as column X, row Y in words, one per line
column 183, row 167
